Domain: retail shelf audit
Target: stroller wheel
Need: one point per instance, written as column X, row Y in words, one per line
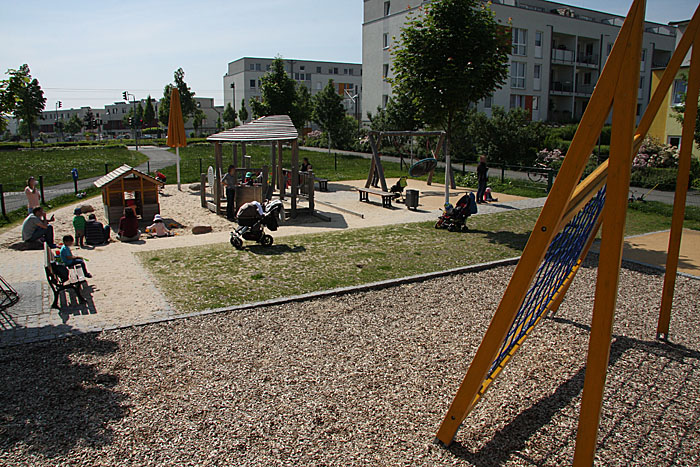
column 452, row 228
column 465, row 228
column 266, row 240
column 438, row 225
column 237, row 243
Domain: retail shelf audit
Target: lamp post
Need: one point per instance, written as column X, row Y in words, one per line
column 59, row 104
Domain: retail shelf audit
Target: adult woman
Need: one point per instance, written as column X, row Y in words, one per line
column 32, row 194
column 129, row 227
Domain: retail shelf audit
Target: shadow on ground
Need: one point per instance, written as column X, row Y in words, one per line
column 52, row 399
column 275, row 250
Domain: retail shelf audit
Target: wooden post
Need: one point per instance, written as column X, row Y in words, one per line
column 218, row 156
column 310, row 186
column 295, row 176
column 614, row 213
column 377, row 164
column 273, row 165
column 674, row 241
column 41, row 189
column 2, row 202
column 281, row 180
column 235, row 155
column 243, row 150
column 202, row 190
column 265, row 171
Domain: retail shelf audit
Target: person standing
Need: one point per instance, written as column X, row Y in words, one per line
column 79, row 226
column 482, row 177
column 229, row 182
column 32, row 194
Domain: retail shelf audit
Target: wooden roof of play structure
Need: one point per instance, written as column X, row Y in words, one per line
column 121, row 172
column 270, row 128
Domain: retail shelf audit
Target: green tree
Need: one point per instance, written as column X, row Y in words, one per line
column 679, row 110
column 197, row 120
column 138, row 118
column 243, row 112
column 22, row 97
column 229, row 116
column 89, row 119
column 187, row 102
column 509, row 137
column 453, row 55
column 129, row 116
column 74, row 125
column 281, row 96
column 149, row 114
column 328, row 111
column 400, row 114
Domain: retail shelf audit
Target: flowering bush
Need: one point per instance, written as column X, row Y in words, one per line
column 654, row 154
column 546, row 156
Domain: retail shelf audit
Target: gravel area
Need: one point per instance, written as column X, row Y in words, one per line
column 360, row 379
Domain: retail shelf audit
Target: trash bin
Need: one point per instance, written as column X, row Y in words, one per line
column 411, row 199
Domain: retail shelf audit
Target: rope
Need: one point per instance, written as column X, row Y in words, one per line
column 561, row 257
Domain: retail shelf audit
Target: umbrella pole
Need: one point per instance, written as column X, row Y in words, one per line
column 177, row 156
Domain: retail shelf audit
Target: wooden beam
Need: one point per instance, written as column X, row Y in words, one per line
column 614, row 215
column 295, row 176
column 686, row 153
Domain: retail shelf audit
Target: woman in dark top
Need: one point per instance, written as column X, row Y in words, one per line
column 482, row 176
column 129, row 227
column 305, row 165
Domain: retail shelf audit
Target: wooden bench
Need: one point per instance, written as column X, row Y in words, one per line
column 322, row 183
column 386, row 196
column 75, row 278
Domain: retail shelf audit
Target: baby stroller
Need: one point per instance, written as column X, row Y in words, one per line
column 253, row 217
column 454, row 218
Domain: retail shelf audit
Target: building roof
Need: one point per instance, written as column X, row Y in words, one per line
column 121, row 172
column 270, row 128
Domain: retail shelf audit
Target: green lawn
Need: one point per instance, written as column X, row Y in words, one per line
column 55, row 164
column 349, row 167
column 217, row 275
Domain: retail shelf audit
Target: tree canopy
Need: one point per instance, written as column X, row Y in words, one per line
column 281, row 95
column 187, row 102
column 449, row 56
column 74, row 125
column 229, row 116
column 400, row 113
column 328, row 112
column 149, row 114
column 22, row 98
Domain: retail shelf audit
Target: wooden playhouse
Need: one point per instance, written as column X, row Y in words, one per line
column 128, row 187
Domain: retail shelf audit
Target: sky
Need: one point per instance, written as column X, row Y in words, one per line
column 87, row 53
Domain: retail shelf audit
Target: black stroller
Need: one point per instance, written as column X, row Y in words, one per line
column 251, row 224
column 454, row 218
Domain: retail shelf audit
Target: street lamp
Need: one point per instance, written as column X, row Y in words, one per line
column 59, row 104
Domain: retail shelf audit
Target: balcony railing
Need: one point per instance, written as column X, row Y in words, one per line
column 587, row 59
column 558, row 86
column 585, row 89
column 561, row 55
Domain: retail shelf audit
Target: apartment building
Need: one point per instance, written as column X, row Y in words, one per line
column 242, row 80
column 558, row 52
column 110, row 118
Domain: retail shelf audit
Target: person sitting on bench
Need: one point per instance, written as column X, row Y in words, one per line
column 35, row 229
column 68, row 258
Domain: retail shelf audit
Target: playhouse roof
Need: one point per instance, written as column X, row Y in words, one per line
column 270, row 128
column 121, row 172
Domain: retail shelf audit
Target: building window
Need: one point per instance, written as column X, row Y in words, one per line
column 609, row 48
column 487, row 102
column 535, row 102
column 330, row 71
column 252, row 83
column 267, row 68
column 318, row 85
column 302, row 68
column 644, row 55
column 674, row 141
column 335, row 71
column 517, row 75
column 519, row 41
column 587, row 78
column 385, row 40
column 345, row 71
column 538, row 43
column 641, row 82
column 385, row 71
column 516, row 100
column 258, row 67
column 639, row 110
column 318, row 69
column 387, row 8
column 252, row 66
column 352, row 71
column 385, row 100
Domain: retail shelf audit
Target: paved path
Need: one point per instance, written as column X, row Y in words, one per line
column 158, row 159
column 666, row 197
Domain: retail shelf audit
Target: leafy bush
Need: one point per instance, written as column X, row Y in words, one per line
column 650, row 177
column 654, row 154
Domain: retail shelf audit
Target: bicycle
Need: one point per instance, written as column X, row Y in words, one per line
column 538, row 176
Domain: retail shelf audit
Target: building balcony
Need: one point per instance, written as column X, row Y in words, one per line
column 561, row 88
column 584, row 89
column 563, row 56
column 590, row 60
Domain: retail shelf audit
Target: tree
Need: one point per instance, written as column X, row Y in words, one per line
column 187, row 102
column 453, row 55
column 243, row 112
column 138, row 118
column 282, row 96
column 328, row 111
column 197, row 120
column 149, row 114
column 74, row 125
column 400, row 114
column 22, row 97
column 89, row 119
column 229, row 116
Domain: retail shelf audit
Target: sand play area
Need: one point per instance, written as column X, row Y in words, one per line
column 124, row 293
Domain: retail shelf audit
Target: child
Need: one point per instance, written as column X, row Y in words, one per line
column 488, row 196
column 79, row 225
column 68, row 258
column 159, row 227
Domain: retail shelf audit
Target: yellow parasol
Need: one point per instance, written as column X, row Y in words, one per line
column 176, row 128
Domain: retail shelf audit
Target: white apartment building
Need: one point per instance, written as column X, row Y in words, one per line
column 557, row 56
column 242, row 80
column 110, row 118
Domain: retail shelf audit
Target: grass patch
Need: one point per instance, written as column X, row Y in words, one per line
column 349, row 167
column 652, row 216
column 55, row 164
